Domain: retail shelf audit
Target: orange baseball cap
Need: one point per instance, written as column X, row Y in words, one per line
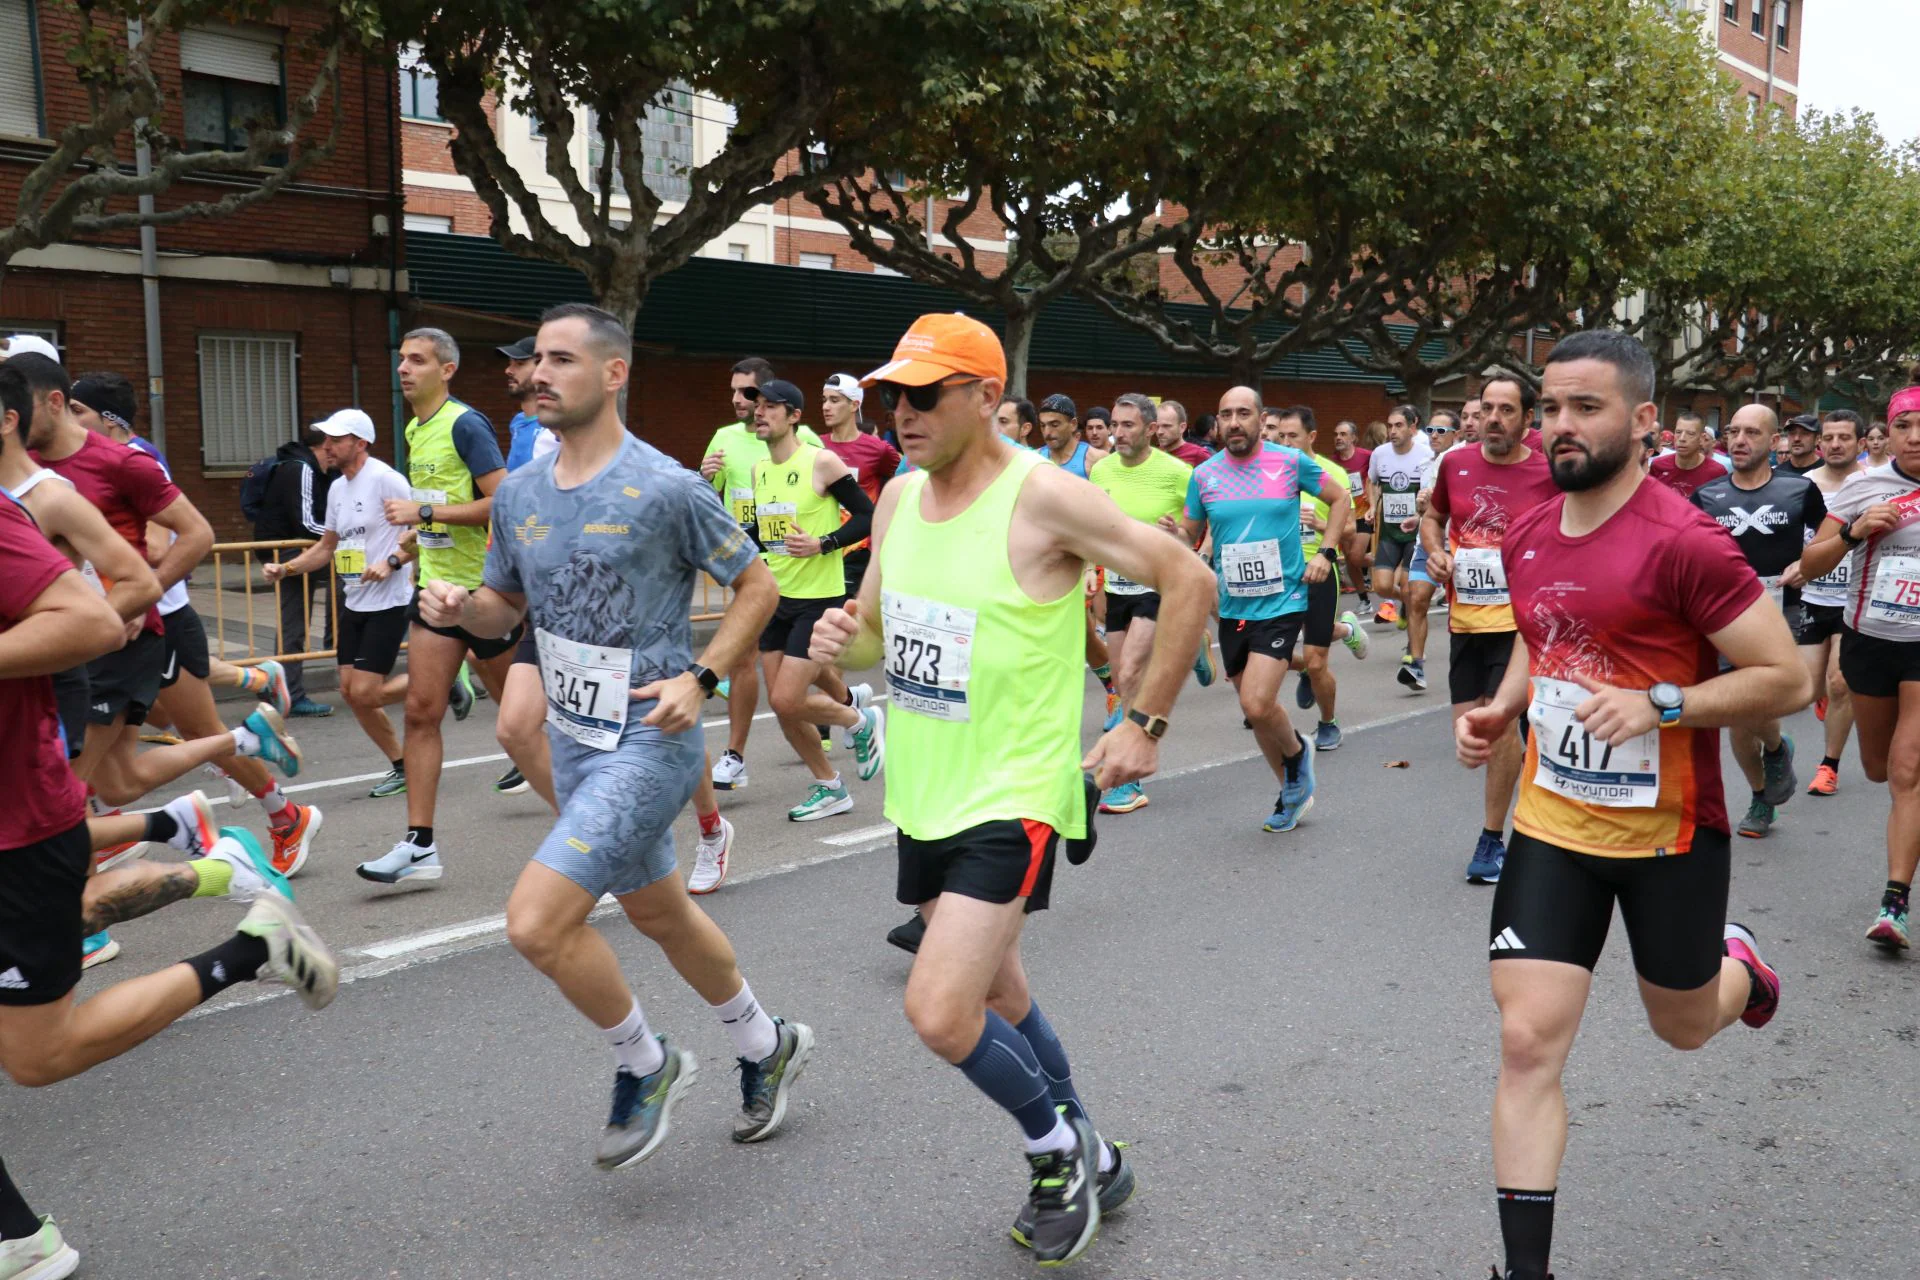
column 940, row 345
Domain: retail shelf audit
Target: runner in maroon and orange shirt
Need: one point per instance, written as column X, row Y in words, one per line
column 871, row 459
column 1625, row 598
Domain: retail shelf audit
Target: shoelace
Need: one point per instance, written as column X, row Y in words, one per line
column 1051, row 1172
column 754, row 1086
column 626, row 1098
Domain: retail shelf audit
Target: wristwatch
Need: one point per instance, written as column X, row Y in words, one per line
column 1846, row 535
column 829, row 544
column 1330, row 554
column 395, row 562
column 1669, row 700
column 426, row 513
column 709, row 680
column 1154, row 727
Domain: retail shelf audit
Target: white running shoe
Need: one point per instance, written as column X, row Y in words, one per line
column 195, row 830
column 253, row 873
column 295, row 954
column 405, row 861
column 862, row 695
column 40, row 1256
column 710, row 861
column 729, row 772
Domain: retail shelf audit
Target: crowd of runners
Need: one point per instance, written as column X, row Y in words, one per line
column 1614, row 593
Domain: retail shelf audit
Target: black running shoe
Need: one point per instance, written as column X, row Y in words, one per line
column 1115, row 1188
column 908, row 936
column 1063, row 1202
column 512, row 782
column 1078, row 851
column 1497, row 1276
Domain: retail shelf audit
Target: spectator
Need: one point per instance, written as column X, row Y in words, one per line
column 296, row 507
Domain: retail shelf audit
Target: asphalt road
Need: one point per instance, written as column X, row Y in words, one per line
column 1293, row 1031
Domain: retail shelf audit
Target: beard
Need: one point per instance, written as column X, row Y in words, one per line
column 1576, row 473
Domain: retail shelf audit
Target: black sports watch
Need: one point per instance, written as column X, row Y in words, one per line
column 395, row 562
column 1846, row 535
column 1154, row 727
column 426, row 513
column 709, row 680
column 828, row 544
column 1669, row 700
column 1330, row 554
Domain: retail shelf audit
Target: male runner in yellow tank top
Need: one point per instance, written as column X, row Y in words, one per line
column 974, row 598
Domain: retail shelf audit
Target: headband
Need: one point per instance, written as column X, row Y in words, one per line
column 1907, row 401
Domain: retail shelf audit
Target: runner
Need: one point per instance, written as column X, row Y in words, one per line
column 1097, row 425
column 1480, row 492
column 1442, row 437
column 1060, row 437
column 728, row 465
column 49, row 618
column 1294, row 428
column 520, row 725
column 1016, row 420
column 1690, row 465
column 1622, row 595
column 1817, row 622
column 1771, row 515
column 1873, row 524
column 871, row 460
column 1393, row 494
column 799, row 495
column 453, row 467
column 607, row 581
column 1879, row 441
column 1354, row 457
column 1248, row 495
column 1802, row 445
column 983, row 657
column 1170, row 434
column 371, row 567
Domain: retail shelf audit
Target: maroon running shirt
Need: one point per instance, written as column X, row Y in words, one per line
column 1477, row 502
column 128, row 486
column 1668, row 471
column 44, row 798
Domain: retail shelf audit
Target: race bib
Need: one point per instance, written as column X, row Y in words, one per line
column 350, row 560
column 1252, row 568
column 740, row 501
column 1399, row 506
column 776, row 522
column 1776, row 590
column 1579, row 766
column 1120, row 586
column 1479, row 576
column 1895, row 597
column 929, row 655
column 1835, row 582
column 587, row 688
column 433, row 536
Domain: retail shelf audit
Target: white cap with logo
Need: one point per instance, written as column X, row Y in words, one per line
column 847, row 385
column 347, row 422
column 28, row 344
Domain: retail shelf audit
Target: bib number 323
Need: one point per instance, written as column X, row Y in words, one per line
column 1579, row 766
column 929, row 655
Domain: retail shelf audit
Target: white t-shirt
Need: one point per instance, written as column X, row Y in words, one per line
column 1883, row 573
column 356, row 515
column 544, row 443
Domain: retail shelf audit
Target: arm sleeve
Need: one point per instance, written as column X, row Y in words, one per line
column 478, row 447
column 859, row 508
column 709, row 538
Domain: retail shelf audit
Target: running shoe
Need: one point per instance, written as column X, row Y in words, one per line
column 296, row 957
column 1063, row 1203
column 822, row 802
column 1113, row 706
column 1890, row 927
column 1115, row 714
column 310, row 709
column 1399, row 620
column 861, row 695
column 1765, row 1000
column 764, row 1085
column 1296, row 787
column 405, row 861
column 643, row 1108
column 1826, row 781
column 1282, row 819
column 1203, row 664
column 722, row 690
column 98, row 950
column 293, row 842
column 253, row 872
column 910, row 935
column 1413, row 674
column 710, row 860
column 1759, row 819
column 274, row 689
column 44, row 1255
column 395, row 783
column 869, row 742
column 729, row 772
column 826, row 741
column 1124, row 798
column 236, row 794
column 1387, row 612
column 116, row 855
column 276, row 746
column 512, row 782
column 1777, row 766
column 1303, row 693
column 460, row 694
column 1328, row 736
column 1820, row 709
column 194, row 828
column 1358, row 643
column 1114, row 1186
column 1488, row 861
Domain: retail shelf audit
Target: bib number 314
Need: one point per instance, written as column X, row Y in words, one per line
column 1579, row 766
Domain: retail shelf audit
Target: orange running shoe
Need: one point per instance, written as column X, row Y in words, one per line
column 1820, row 708
column 1826, row 781
column 1387, row 612
column 293, row 842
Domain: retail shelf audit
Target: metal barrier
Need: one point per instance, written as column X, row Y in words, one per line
column 244, row 558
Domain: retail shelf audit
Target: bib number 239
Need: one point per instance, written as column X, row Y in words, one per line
column 929, row 655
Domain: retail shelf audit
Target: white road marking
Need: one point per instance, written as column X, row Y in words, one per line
column 433, row 945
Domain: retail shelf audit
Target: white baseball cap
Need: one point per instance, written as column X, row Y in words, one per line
column 847, row 385
column 347, row 422
column 28, row 344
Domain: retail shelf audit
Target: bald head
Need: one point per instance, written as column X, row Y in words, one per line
column 1758, row 415
column 1749, row 438
column 1239, row 421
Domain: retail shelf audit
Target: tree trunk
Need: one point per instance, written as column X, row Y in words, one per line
column 1419, row 391
column 1246, row 371
column 1020, row 321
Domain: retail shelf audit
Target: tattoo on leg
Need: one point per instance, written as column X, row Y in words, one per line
column 133, row 892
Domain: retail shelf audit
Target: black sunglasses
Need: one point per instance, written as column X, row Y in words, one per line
column 921, row 398
column 751, row 393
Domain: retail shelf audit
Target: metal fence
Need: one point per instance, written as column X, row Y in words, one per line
column 247, row 630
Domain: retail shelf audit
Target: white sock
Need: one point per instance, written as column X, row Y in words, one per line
column 754, row 1035
column 633, row 1044
column 1061, row 1139
column 1106, row 1156
column 836, row 782
column 245, row 741
column 273, row 800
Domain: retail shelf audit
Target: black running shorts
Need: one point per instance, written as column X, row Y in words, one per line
column 1323, row 604
column 481, row 649
column 790, row 630
column 1240, row 639
column 186, row 646
column 1554, row 904
column 528, row 651
column 126, row 681
column 1477, row 665
column 70, row 695
column 370, row 640
column 40, row 930
column 1814, row 623
column 1122, row 610
column 1876, row 668
column 1390, row 555
column 993, row 862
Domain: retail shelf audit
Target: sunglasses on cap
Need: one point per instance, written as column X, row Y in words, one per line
column 923, row 399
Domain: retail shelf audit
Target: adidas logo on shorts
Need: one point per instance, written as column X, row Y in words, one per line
column 14, row 980
column 1507, row 940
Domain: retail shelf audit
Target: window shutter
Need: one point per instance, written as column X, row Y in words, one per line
column 249, row 397
column 19, row 76
column 232, row 53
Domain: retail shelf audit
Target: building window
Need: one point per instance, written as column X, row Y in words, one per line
column 1759, row 22
column 429, row 222
column 1753, row 104
column 51, row 332
column 230, row 82
column 666, row 140
column 19, row 70
column 817, row 261
column 419, row 87
column 738, row 252
column 1782, row 14
column 1731, row 10
column 249, row 397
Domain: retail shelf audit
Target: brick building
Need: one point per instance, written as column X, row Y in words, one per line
column 1757, row 43
column 269, row 318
